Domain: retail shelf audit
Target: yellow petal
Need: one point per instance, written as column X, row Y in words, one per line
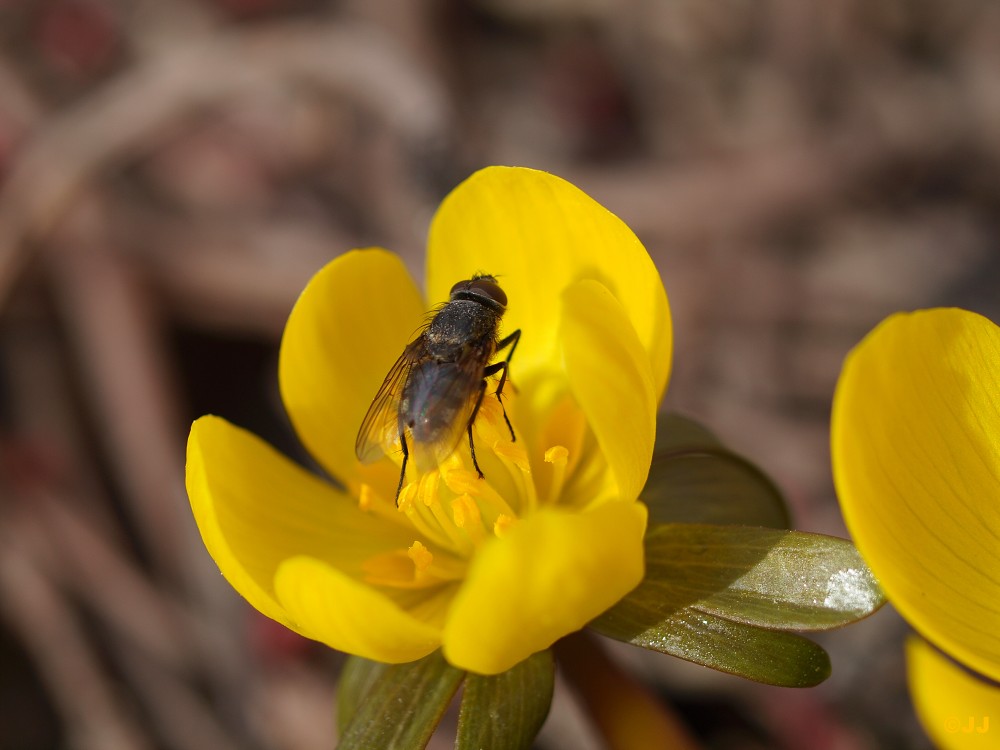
column 348, row 327
column 548, row 575
column 350, row 616
column 611, row 380
column 916, row 459
column 255, row 508
column 540, row 234
column 958, row 710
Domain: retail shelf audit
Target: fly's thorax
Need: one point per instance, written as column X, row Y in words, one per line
column 462, row 323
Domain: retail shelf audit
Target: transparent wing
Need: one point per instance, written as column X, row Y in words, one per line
column 380, row 427
column 459, row 386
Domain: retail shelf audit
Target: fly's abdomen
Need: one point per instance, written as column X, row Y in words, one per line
column 437, row 403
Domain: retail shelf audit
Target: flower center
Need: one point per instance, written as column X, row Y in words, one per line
column 453, row 511
column 457, row 510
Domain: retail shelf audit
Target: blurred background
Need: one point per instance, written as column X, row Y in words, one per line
column 173, row 172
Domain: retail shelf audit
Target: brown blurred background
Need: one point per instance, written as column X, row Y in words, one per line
column 173, row 172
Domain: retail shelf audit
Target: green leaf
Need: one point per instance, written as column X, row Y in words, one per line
column 505, row 711
column 677, row 432
column 401, row 706
column 714, row 595
column 694, row 479
column 769, row 656
column 789, row 580
column 356, row 679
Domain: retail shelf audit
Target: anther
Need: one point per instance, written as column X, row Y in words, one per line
column 421, row 556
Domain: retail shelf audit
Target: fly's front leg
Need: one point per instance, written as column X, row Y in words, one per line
column 510, row 341
column 493, row 369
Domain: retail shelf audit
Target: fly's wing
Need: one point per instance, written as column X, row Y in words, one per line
column 380, row 427
column 458, row 392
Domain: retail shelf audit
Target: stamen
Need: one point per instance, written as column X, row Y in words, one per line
column 502, row 524
column 415, row 567
column 490, row 424
column 515, row 460
column 461, row 481
column 417, row 514
column 421, row 501
column 453, row 510
column 514, row 452
column 459, row 541
column 558, row 456
column 421, row 556
column 405, row 500
column 371, row 501
column 467, row 517
column 430, row 483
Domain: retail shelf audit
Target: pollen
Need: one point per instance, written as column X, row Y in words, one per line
column 421, row 556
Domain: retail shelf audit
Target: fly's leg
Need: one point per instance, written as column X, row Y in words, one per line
column 511, row 341
column 493, row 369
column 475, row 411
column 402, row 471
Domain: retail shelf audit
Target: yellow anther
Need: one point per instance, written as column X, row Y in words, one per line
column 461, row 481
column 466, row 516
column 556, row 454
column 429, row 485
column 465, row 511
column 421, row 556
column 514, row 452
column 405, row 499
column 503, row 523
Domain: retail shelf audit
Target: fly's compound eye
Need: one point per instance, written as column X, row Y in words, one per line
column 483, row 286
column 489, row 289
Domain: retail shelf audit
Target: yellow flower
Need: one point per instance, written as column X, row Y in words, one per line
column 491, row 570
column 916, row 459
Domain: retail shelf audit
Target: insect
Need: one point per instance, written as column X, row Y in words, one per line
column 435, row 388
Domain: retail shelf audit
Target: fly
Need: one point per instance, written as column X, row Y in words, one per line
column 435, row 388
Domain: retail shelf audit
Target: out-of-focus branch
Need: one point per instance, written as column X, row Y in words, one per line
column 115, row 332
column 49, row 630
column 243, row 278
column 109, row 127
column 73, row 553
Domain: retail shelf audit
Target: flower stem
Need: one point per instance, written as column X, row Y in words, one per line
column 626, row 713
